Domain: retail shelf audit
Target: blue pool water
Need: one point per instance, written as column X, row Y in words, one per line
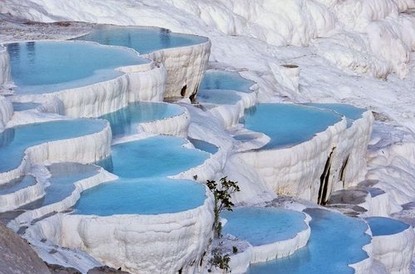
column 335, row 242
column 17, row 184
column 261, row 226
column 142, row 39
column 350, row 112
column 288, row 124
column 205, row 146
column 14, row 141
column 125, row 121
column 154, row 156
column 219, row 97
column 64, row 175
column 47, row 66
column 216, row 79
column 385, row 226
column 141, row 196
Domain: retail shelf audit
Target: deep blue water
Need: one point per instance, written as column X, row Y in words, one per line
column 335, row 242
column 385, row 226
column 47, row 66
column 288, row 124
column 142, row 39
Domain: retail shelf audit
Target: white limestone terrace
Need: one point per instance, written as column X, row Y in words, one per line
column 5, row 76
column 119, row 77
column 271, row 233
column 393, row 243
column 130, row 210
column 53, row 142
column 62, row 185
column 184, row 56
column 226, row 94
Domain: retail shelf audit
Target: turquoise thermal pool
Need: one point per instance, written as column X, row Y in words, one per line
column 154, row 156
column 14, row 141
column 288, row 124
column 335, row 242
column 260, row 226
column 141, row 196
column 49, row 66
column 381, row 226
column 142, row 39
column 216, row 79
column 125, row 121
column 218, row 97
column 350, row 112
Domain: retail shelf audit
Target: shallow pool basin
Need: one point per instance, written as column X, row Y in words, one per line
column 288, row 124
column 14, row 141
column 381, row 226
column 336, row 241
column 142, row 39
column 225, row 80
column 154, row 156
column 350, row 112
column 125, row 121
column 141, row 196
column 49, row 66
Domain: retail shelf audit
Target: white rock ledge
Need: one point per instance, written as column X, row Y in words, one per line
column 143, row 82
column 185, row 68
column 5, row 72
column 163, row 243
column 296, row 170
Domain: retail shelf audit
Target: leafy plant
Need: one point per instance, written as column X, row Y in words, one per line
column 222, row 194
column 222, row 191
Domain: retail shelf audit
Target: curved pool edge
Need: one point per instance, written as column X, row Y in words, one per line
column 81, row 185
column 185, row 237
column 85, row 149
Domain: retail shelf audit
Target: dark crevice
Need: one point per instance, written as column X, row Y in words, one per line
column 342, row 170
column 183, row 91
column 324, row 181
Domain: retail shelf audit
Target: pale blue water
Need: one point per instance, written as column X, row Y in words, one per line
column 385, row 226
column 205, row 146
column 64, row 175
column 141, row 196
column 335, row 242
column 350, row 112
column 17, row 184
column 24, row 106
column 288, row 124
column 14, row 141
column 142, row 39
column 154, row 156
column 125, row 121
column 215, row 79
column 48, row 66
column 219, row 97
column 260, row 226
